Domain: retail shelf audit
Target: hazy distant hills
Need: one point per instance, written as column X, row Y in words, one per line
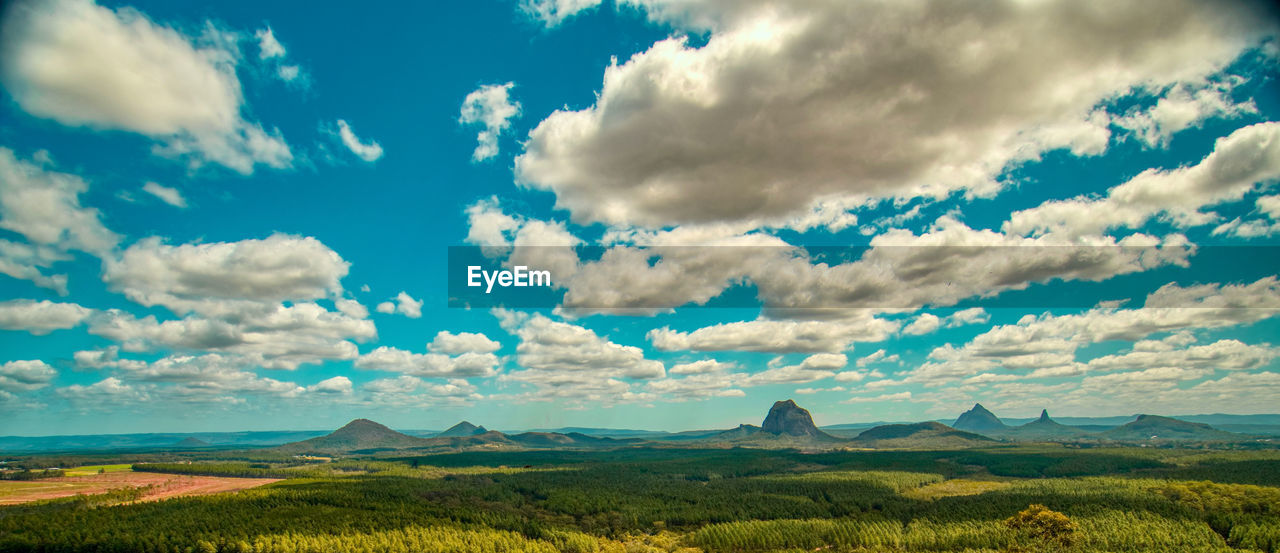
column 920, row 434
column 151, row 441
column 1152, row 427
column 786, row 425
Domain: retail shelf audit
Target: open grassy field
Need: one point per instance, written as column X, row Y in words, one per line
column 95, row 469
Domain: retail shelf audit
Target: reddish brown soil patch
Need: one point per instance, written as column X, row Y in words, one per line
column 161, row 486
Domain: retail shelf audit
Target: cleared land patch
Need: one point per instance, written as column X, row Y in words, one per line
column 159, row 486
column 954, row 487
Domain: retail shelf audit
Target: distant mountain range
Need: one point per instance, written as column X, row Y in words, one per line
column 785, row 425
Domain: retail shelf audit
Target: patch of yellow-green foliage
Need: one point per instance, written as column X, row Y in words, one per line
column 96, row 469
column 955, row 487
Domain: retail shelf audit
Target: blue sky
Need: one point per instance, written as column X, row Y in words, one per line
column 238, row 217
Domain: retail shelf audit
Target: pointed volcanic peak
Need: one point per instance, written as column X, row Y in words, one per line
column 921, row 435
column 462, row 429
column 357, row 435
column 979, row 419
column 1043, row 428
column 1153, row 427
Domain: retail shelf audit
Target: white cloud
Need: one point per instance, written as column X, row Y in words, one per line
column 43, row 206
column 279, row 337
column 1270, row 205
column 944, row 97
column 1045, row 346
column 404, row 304
column 1181, row 107
column 808, row 391
column 925, row 323
column 109, row 392
column 368, row 152
column 412, row 391
column 1221, row 355
column 568, row 361
column 878, row 356
column 490, row 107
column 41, row 317
column 233, row 298
column 86, row 65
column 338, row 385
column 24, row 376
column 351, row 308
column 698, row 386
column 462, row 342
column 466, row 365
column 779, row 336
column 899, row 396
column 647, row 272
column 268, row 46
column 218, row 278
column 1239, row 161
column 703, row 366
column 553, row 12
column 166, row 194
column 1241, row 228
column 814, row 367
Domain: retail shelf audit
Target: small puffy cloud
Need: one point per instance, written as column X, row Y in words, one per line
column 351, row 308
column 268, row 46
column 338, row 385
column 490, row 107
column 41, row 317
column 704, row 366
column 272, row 53
column 82, row 64
column 166, row 194
column 878, row 356
column 553, row 12
column 466, row 365
column 24, row 376
column 462, row 342
column 925, row 323
column 403, row 304
column 370, row 152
